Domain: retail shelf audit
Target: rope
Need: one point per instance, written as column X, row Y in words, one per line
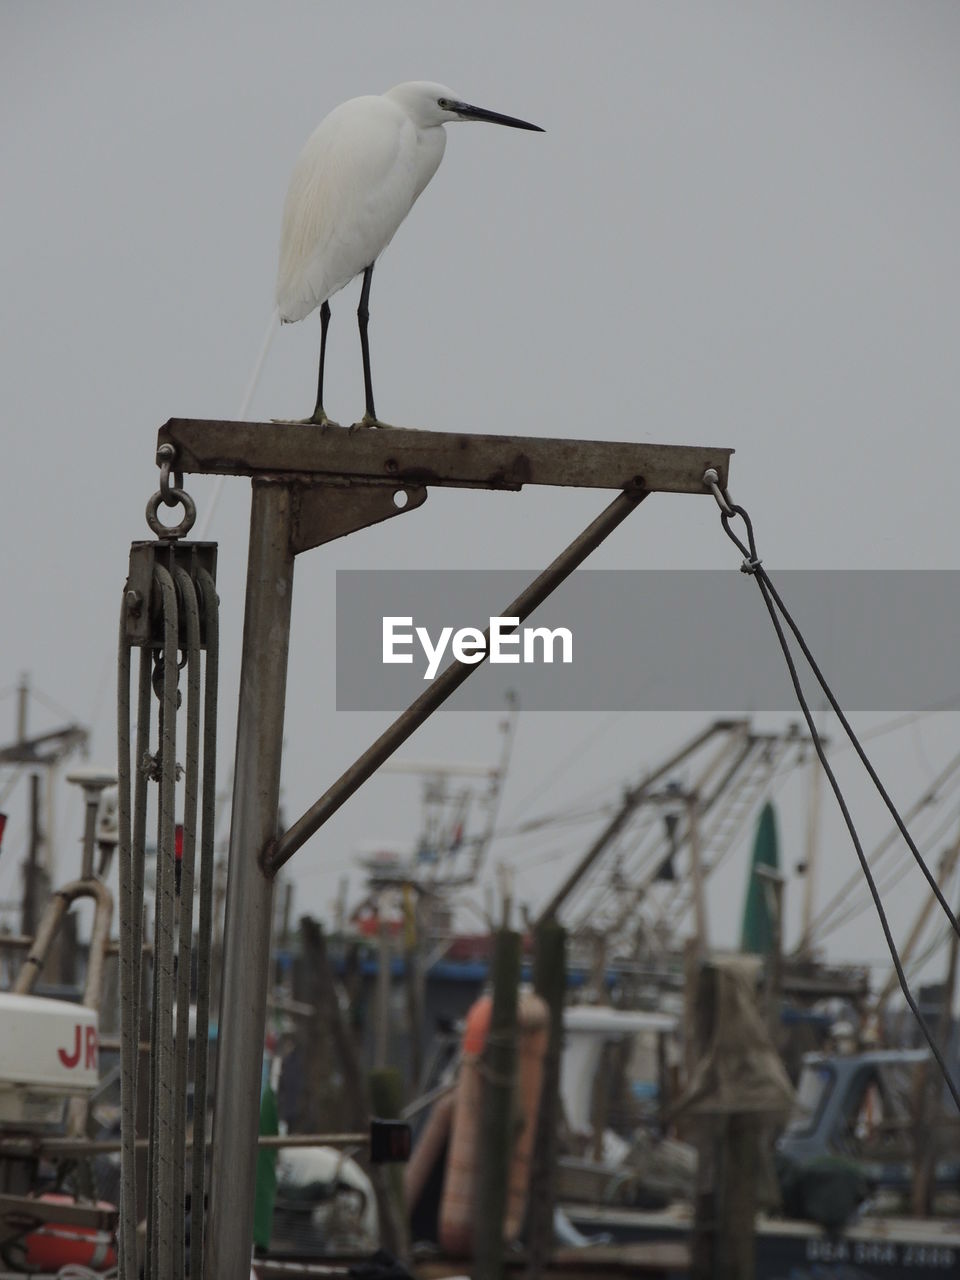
column 179, row 597
column 130, row 855
column 188, row 600
column 163, row 1210
column 205, row 922
column 128, row 1053
column 139, row 856
column 753, row 565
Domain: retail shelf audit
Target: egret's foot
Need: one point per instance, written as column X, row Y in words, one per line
column 368, row 421
column 316, row 419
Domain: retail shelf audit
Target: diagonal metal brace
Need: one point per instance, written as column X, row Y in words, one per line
column 277, row 852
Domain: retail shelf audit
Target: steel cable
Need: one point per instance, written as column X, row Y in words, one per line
column 947, row 780
column 773, row 602
column 893, row 878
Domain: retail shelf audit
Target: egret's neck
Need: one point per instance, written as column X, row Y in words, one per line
column 431, row 141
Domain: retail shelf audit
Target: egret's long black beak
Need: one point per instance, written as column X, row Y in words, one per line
column 467, row 112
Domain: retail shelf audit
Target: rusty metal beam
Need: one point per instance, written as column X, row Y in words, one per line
column 437, row 457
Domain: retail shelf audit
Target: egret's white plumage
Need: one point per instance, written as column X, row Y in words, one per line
column 353, row 184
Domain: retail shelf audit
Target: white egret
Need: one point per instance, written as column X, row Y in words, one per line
column 353, row 184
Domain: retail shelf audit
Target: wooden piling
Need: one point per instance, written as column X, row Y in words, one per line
column 386, row 1101
column 735, row 1243
column 499, row 1065
column 356, row 1099
column 700, row 998
column 550, row 983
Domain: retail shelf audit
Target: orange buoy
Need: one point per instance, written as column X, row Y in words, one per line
column 533, row 1027
column 56, row 1244
column 458, row 1205
column 427, row 1151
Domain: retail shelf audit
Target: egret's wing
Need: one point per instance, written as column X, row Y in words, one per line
column 351, row 187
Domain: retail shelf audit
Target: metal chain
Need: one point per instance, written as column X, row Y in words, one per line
column 170, row 496
column 753, row 565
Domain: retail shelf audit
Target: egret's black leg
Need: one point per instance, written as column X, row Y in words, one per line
column 363, row 315
column 318, row 414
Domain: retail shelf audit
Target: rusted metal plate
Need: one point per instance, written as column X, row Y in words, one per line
column 437, row 457
column 328, row 509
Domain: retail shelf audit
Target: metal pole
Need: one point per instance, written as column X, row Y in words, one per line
column 445, row 684
column 773, row 882
column 811, row 851
column 929, row 1125
column 948, row 860
column 28, row 917
column 23, row 695
column 92, row 804
column 550, row 982
column 696, row 868
column 249, row 913
column 496, row 1125
column 382, row 1028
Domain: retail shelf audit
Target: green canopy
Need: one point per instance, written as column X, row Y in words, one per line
column 757, row 932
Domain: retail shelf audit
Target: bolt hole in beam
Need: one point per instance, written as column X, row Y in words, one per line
column 400, row 499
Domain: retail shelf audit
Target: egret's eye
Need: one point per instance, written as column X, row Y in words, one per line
column 444, row 103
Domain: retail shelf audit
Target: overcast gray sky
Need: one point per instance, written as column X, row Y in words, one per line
column 740, row 228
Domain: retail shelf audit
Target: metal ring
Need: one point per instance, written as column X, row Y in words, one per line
column 189, row 514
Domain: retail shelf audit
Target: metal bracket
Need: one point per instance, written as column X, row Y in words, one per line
column 143, row 624
column 328, row 509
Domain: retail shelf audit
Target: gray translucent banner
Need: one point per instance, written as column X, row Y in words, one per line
column 658, row 640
